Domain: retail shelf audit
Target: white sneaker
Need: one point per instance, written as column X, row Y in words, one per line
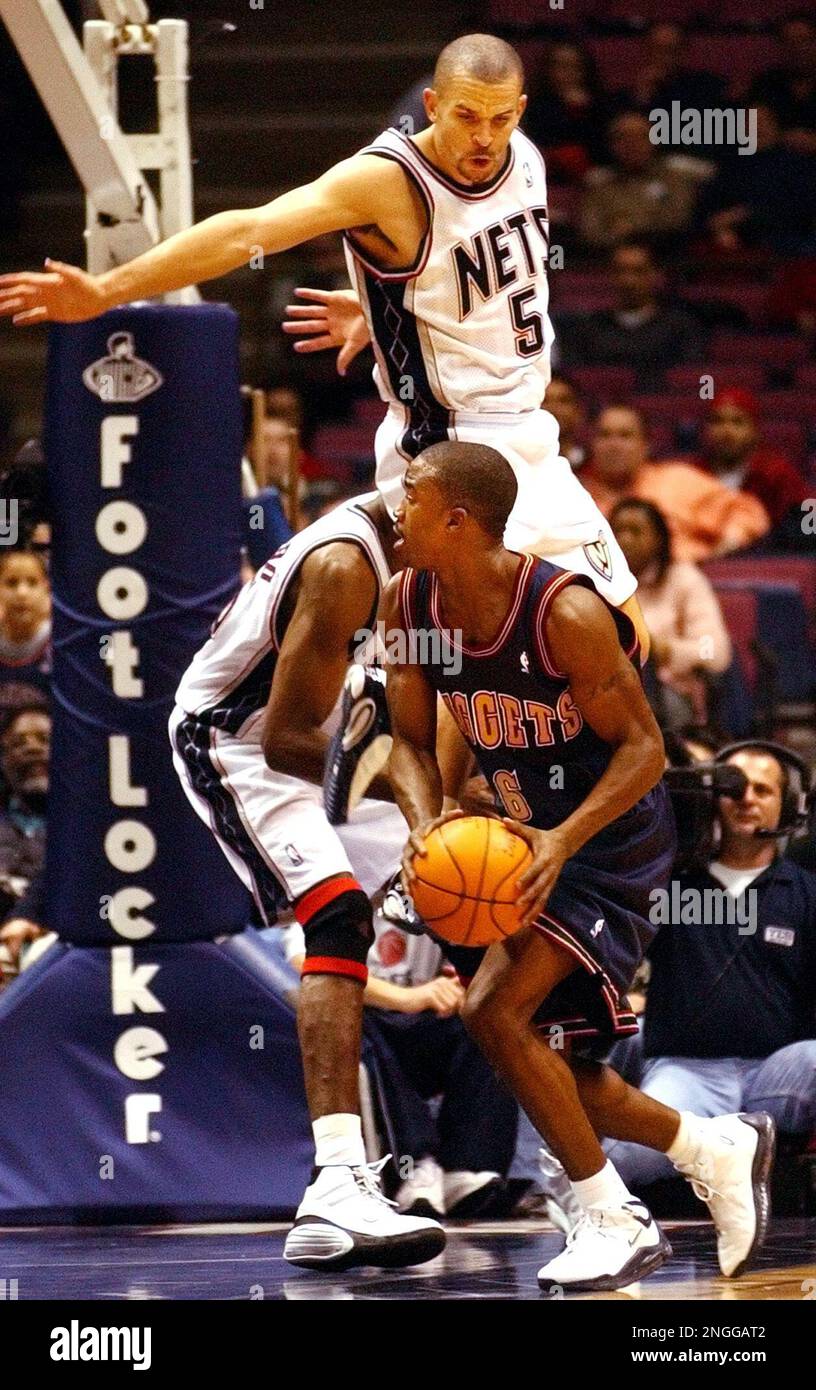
column 345, row 1220
column 608, row 1249
column 563, row 1208
column 470, row 1194
column 422, row 1193
column 731, row 1173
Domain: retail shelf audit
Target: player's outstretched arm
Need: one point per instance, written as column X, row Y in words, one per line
column 336, row 594
column 346, row 196
column 609, row 697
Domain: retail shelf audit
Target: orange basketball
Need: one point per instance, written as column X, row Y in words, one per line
column 466, row 887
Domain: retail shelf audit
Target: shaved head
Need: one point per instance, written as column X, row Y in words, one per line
column 475, row 477
column 480, row 57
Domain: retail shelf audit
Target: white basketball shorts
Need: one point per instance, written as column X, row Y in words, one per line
column 272, row 827
column 554, row 516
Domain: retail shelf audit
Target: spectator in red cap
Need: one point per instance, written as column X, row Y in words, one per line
column 732, row 449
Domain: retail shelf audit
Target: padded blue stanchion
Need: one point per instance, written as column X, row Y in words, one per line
column 151, row 1084
column 150, row 1070
column 143, row 443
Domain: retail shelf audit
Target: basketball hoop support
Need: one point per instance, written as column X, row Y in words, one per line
column 80, row 91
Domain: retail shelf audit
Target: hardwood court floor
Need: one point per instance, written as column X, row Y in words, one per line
column 495, row 1261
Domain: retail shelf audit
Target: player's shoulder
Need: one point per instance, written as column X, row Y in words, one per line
column 575, row 601
column 391, row 600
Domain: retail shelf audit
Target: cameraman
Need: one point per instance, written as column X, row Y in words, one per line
column 731, row 1011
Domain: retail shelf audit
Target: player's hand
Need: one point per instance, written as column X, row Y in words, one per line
column 60, row 294
column 443, row 996
column 416, row 844
column 550, row 854
column 335, row 319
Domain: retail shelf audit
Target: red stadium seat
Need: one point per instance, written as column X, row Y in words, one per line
column 749, row 298
column 605, row 383
column 780, row 350
column 790, row 405
column 790, row 436
column 735, row 14
column 370, row 411
column 795, row 570
column 748, row 376
column 739, row 609
column 343, row 443
column 618, row 60
column 736, row 57
column 668, row 409
column 805, row 376
column 636, row 13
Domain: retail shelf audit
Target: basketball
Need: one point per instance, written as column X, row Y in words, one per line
column 466, row 885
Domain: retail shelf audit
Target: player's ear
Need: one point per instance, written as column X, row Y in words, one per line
column 522, row 105
column 431, row 102
column 457, row 516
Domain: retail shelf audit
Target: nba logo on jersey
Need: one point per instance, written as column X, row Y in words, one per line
column 528, row 174
column 597, row 552
column 525, row 663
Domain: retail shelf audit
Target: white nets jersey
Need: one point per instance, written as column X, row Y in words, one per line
column 227, row 684
column 466, row 328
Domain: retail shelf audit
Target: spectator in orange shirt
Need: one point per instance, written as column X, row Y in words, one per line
column 733, row 451
column 705, row 517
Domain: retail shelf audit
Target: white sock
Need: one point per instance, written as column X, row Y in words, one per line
column 689, row 1137
column 339, row 1139
column 603, row 1189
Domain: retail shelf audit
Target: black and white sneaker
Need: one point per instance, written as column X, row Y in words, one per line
column 361, row 744
column 608, row 1249
column 344, row 1220
column 398, row 908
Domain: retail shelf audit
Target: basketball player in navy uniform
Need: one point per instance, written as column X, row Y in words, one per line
column 549, row 700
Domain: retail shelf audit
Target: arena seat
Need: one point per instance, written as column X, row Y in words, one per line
column 749, row 376
column 670, row 408
column 618, row 59
column 782, row 625
column 736, row 57
column 797, row 571
column 790, row 436
column 805, row 376
column 739, row 609
column 369, row 410
column 604, row 382
column 778, row 350
column 749, row 299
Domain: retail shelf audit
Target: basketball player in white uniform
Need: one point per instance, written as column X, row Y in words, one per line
column 466, row 325
column 254, row 713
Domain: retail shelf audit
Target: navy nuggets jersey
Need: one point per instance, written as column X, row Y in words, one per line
column 515, row 709
column 512, row 705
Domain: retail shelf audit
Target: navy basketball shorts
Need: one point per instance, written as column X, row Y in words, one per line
column 601, row 911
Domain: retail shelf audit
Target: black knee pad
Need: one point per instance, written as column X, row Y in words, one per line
column 339, row 935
